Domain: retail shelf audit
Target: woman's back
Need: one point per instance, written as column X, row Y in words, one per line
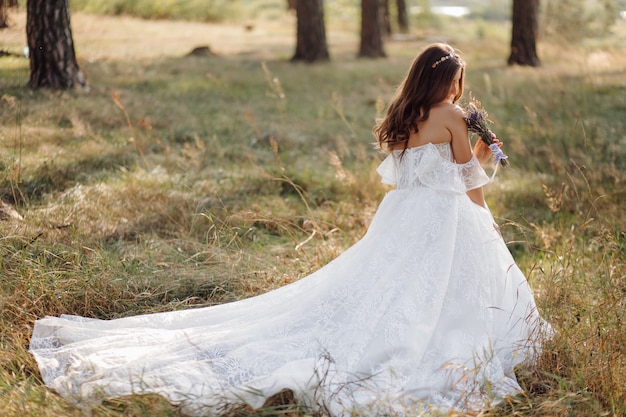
column 435, row 129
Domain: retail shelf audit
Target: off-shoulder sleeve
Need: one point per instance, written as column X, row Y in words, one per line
column 426, row 167
column 435, row 172
column 388, row 170
column 473, row 174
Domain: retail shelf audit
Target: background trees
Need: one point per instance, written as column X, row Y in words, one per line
column 372, row 28
column 565, row 20
column 311, row 31
column 51, row 47
column 403, row 18
column 524, row 33
column 4, row 11
column 99, row 219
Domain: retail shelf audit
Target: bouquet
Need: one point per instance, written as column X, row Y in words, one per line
column 477, row 122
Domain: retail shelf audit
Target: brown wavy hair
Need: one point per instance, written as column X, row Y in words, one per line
column 426, row 84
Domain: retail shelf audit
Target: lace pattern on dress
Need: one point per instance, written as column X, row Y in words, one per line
column 431, row 166
column 414, row 314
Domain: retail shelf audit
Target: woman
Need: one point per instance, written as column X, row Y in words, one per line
column 428, row 311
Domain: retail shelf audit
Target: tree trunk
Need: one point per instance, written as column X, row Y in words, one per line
column 403, row 20
column 4, row 15
column 4, row 12
column 311, row 32
column 524, row 33
column 50, row 46
column 387, row 17
column 372, row 28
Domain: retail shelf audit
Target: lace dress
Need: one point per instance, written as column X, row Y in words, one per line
column 427, row 311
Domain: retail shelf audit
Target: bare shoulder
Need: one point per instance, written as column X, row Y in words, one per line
column 447, row 111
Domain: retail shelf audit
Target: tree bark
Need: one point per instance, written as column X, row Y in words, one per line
column 372, row 29
column 524, row 33
column 51, row 47
column 403, row 20
column 4, row 15
column 4, row 12
column 387, row 17
column 311, row 32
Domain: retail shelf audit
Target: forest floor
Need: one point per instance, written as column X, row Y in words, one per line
column 180, row 182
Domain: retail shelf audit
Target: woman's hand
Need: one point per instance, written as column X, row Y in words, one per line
column 482, row 151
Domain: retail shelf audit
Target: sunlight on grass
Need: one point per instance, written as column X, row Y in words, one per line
column 180, row 182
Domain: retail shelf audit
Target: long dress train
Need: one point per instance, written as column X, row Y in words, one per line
column 427, row 311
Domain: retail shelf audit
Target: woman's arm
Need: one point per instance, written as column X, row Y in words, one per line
column 477, row 196
column 462, row 149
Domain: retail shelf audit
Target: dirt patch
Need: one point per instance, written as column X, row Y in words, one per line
column 120, row 38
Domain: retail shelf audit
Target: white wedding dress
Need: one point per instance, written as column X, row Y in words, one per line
column 427, row 311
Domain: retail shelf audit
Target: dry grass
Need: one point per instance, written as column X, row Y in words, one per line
column 182, row 182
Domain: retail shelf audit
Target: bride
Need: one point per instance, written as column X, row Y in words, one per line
column 427, row 312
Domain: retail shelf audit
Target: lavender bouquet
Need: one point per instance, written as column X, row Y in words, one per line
column 477, row 122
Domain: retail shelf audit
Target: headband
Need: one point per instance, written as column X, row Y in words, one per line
column 443, row 58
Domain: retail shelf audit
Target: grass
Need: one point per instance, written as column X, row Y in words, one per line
column 179, row 182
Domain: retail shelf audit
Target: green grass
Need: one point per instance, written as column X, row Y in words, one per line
column 179, row 182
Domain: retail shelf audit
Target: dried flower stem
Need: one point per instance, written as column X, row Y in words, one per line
column 477, row 121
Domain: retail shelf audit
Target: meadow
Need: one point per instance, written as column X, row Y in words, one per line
column 185, row 181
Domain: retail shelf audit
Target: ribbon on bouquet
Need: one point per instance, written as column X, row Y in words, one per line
column 498, row 156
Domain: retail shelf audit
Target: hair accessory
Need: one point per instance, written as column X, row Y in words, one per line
column 443, row 58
